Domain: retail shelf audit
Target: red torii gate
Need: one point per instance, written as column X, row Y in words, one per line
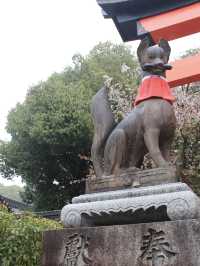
column 170, row 25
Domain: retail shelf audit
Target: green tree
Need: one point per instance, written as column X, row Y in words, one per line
column 51, row 132
column 21, row 238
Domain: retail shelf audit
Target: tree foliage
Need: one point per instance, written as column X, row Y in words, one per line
column 51, row 131
column 187, row 141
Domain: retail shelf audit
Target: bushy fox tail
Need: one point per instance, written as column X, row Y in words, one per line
column 103, row 120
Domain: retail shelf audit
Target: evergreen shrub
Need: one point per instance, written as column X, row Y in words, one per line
column 21, row 238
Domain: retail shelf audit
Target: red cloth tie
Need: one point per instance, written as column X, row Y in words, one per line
column 154, row 86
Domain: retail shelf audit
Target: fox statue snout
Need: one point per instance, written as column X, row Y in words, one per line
column 149, row 128
column 158, row 65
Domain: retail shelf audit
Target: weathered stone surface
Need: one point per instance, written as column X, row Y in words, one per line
column 131, row 192
column 153, row 244
column 150, row 204
column 132, row 177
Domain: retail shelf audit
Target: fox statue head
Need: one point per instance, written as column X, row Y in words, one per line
column 154, row 59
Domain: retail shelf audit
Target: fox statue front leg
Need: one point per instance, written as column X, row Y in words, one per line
column 151, row 138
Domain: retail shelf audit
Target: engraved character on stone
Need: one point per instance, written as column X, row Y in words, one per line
column 156, row 251
column 76, row 253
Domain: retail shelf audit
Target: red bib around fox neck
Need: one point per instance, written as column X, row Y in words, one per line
column 154, row 86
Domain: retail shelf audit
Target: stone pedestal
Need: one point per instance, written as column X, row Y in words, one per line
column 141, row 218
column 132, row 177
column 174, row 243
column 173, row 201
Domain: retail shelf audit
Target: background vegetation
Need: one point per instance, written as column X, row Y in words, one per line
column 21, row 238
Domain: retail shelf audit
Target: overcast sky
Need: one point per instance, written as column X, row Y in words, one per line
column 39, row 37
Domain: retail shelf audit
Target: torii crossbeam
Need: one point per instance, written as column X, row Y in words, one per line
column 136, row 19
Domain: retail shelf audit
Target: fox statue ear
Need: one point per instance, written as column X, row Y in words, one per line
column 165, row 46
column 144, row 44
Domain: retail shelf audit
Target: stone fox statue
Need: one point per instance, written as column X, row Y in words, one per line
column 149, row 128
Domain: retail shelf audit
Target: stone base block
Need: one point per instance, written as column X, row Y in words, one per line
column 132, row 177
column 174, row 201
column 174, row 243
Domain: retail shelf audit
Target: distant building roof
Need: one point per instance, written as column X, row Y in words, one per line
column 13, row 204
column 19, row 207
column 53, row 215
column 126, row 13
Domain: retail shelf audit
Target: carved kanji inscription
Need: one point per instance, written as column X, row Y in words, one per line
column 156, row 250
column 76, row 251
